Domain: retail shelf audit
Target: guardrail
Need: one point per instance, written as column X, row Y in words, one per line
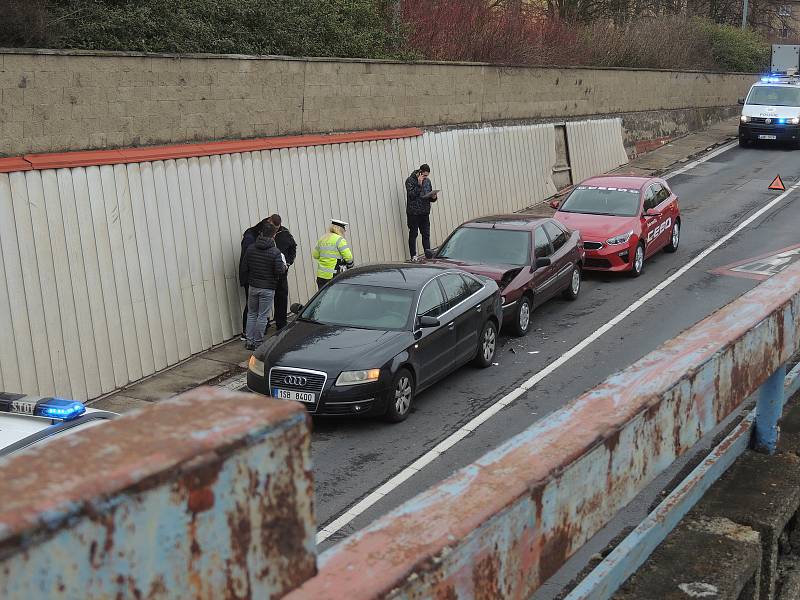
column 501, row 526
column 204, row 496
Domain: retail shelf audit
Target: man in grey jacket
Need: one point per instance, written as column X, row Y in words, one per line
column 419, row 195
column 261, row 269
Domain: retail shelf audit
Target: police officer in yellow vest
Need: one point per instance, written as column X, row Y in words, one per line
column 332, row 251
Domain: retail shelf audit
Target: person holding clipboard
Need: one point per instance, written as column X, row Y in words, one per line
column 419, row 196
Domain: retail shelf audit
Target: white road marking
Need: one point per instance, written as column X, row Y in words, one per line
column 349, row 515
column 699, row 161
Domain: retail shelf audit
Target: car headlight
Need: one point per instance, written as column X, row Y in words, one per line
column 745, row 119
column 796, row 121
column 620, row 239
column 357, row 377
column 256, row 366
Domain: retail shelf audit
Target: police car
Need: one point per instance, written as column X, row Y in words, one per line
column 26, row 421
column 771, row 111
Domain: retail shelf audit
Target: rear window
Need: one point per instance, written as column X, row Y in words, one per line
column 762, row 95
column 591, row 200
column 488, row 246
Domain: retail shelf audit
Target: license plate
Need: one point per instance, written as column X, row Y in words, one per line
column 307, row 397
column 768, row 137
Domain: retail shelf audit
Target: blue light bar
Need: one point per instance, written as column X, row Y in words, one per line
column 34, row 406
column 58, row 408
column 781, row 121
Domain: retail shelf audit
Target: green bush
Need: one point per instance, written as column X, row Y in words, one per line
column 735, row 49
column 346, row 28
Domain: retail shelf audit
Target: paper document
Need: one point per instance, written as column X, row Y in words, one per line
column 430, row 194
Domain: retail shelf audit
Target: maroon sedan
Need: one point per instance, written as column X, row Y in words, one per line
column 531, row 258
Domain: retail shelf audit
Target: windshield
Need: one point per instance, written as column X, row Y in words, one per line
column 488, row 246
column 602, row 201
column 763, row 95
column 361, row 306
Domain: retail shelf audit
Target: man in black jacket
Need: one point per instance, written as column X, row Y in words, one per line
column 419, row 195
column 261, row 268
column 249, row 238
column 288, row 247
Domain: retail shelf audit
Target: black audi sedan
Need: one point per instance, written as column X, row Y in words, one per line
column 375, row 336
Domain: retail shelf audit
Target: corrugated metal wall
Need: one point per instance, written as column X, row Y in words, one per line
column 112, row 273
column 595, row 147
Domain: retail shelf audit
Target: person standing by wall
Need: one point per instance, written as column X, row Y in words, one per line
column 331, row 250
column 249, row 237
column 288, row 247
column 263, row 265
column 419, row 195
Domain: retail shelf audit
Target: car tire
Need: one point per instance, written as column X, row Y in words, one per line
column 522, row 316
column 487, row 345
column 637, row 264
column 674, row 238
column 574, row 288
column 743, row 143
column 400, row 396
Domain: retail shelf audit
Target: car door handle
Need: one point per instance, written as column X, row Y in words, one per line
column 478, row 308
column 452, row 326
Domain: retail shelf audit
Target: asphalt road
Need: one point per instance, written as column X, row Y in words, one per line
column 353, row 457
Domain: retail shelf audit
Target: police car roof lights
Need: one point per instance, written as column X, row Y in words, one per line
column 780, row 78
column 48, row 408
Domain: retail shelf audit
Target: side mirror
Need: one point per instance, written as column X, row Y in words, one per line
column 542, row 262
column 652, row 212
column 741, row 101
column 296, row 308
column 555, row 204
column 427, row 322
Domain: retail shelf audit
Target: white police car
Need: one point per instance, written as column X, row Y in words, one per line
column 29, row 420
column 771, row 111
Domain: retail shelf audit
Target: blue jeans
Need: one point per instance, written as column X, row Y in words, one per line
column 259, row 308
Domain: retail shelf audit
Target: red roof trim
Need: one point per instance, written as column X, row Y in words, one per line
column 9, row 165
column 63, row 160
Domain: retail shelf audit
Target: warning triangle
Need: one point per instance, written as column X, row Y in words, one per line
column 777, row 184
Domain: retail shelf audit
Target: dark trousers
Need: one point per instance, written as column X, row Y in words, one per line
column 419, row 224
column 244, row 314
column 281, row 302
column 321, row 283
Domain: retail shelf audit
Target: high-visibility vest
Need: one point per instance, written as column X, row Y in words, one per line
column 330, row 249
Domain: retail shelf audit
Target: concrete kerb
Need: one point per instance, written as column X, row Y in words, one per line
column 726, row 565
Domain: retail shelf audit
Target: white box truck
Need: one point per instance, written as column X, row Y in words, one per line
column 785, row 58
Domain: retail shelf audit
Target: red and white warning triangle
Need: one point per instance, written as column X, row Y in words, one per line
column 777, row 184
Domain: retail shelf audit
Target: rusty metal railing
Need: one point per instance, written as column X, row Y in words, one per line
column 501, row 526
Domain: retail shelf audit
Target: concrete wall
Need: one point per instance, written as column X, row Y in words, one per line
column 204, row 496
column 53, row 101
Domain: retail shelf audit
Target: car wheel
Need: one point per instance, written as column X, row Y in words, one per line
column 743, row 143
column 674, row 238
column 487, row 345
column 637, row 266
column 522, row 316
column 400, row 396
column 571, row 293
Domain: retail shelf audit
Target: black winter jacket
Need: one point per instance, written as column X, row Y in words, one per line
column 286, row 244
column 262, row 265
column 415, row 203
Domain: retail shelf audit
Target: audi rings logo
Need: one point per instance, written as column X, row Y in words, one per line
column 295, row 380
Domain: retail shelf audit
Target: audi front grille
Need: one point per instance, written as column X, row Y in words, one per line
column 301, row 380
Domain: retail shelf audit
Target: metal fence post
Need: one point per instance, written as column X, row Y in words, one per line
column 768, row 411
